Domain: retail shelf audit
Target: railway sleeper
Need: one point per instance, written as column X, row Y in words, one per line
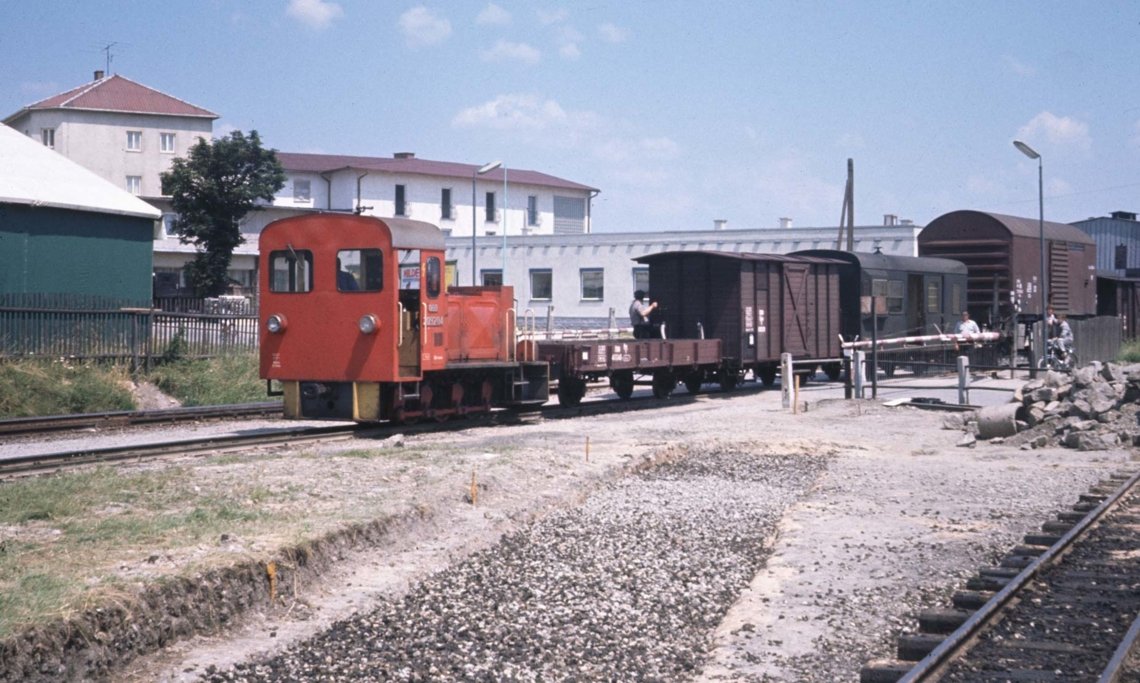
column 1018, row 562
column 1059, row 528
column 998, row 572
column 914, row 647
column 986, row 583
column 1046, row 540
column 971, row 600
column 942, row 620
column 884, row 671
column 1029, row 550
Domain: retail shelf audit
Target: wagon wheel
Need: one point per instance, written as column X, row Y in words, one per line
column 622, row 383
column 570, row 391
column 693, row 382
column 767, row 375
column 663, row 383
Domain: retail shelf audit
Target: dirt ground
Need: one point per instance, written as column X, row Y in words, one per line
column 902, row 515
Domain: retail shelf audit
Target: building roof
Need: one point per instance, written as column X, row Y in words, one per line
column 37, row 176
column 407, row 163
column 1017, row 226
column 118, row 94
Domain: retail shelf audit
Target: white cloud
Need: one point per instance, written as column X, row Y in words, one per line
column 617, row 149
column 513, row 112
column 1059, row 130
column 851, row 141
column 316, row 13
column 547, row 17
column 568, row 41
column 1018, row 67
column 504, row 51
column 612, row 34
column 421, row 26
column 492, row 14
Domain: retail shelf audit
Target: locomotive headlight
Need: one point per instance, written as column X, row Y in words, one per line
column 368, row 324
column 275, row 323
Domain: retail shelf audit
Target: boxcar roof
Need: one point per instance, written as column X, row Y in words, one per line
column 1016, row 226
column 875, row 261
column 737, row 256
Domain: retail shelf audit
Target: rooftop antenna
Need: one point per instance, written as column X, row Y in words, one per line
column 110, row 57
column 847, row 213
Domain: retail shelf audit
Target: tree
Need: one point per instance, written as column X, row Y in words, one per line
column 212, row 190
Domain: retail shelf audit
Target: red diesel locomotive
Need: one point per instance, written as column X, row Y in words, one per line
column 357, row 324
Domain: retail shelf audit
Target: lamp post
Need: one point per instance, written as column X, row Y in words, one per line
column 503, row 272
column 1032, row 154
column 485, row 169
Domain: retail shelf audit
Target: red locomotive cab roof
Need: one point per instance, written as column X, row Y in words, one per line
column 404, row 232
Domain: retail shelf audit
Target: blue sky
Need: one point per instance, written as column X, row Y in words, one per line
column 680, row 112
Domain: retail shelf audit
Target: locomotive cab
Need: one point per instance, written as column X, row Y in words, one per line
column 357, row 324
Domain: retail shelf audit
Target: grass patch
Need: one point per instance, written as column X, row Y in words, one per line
column 30, row 388
column 64, row 529
column 226, row 379
column 1129, row 353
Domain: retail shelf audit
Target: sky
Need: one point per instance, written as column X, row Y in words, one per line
column 681, row 113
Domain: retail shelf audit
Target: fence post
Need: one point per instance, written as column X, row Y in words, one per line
column 963, row 380
column 857, row 372
column 786, row 380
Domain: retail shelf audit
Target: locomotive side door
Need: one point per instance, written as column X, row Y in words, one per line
column 408, row 312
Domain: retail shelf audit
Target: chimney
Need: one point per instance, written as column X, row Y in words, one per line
column 1124, row 215
column 890, row 219
column 785, row 223
column 99, row 74
column 404, row 155
column 719, row 223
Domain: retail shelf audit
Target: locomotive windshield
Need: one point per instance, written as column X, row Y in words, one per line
column 360, row 270
column 291, row 271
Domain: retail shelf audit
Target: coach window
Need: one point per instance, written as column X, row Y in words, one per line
column 434, row 276
column 360, row 270
column 593, row 284
column 291, row 271
column 541, row 284
column 934, row 297
column 895, row 294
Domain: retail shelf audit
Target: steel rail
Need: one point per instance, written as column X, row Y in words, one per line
column 44, row 461
column 49, row 423
column 1115, row 667
column 956, row 642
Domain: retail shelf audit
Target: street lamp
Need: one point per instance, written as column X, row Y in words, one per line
column 1032, row 154
column 485, row 169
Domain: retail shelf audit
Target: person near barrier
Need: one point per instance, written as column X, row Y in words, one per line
column 639, row 316
column 967, row 326
column 1061, row 334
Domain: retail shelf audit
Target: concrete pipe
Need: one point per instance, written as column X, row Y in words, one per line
column 995, row 421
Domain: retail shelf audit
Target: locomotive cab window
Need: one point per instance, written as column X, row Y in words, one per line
column 433, row 276
column 291, row 271
column 360, row 270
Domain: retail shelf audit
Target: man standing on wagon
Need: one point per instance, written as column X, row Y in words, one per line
column 639, row 316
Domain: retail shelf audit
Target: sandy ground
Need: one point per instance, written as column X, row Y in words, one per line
column 898, row 521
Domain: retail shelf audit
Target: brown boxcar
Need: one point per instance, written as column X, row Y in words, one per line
column 1003, row 258
column 758, row 305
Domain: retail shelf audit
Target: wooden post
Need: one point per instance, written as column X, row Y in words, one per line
column 963, row 380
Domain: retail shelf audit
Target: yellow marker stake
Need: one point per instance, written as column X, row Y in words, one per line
column 271, row 570
column 587, row 449
column 474, row 489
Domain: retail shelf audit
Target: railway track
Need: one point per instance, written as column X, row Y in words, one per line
column 1063, row 606
column 57, row 423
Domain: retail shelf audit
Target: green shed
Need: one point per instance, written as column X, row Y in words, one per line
column 66, row 232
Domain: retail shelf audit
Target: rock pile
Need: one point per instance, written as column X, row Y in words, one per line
column 1095, row 408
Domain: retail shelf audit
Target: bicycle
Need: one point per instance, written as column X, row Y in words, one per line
column 1057, row 357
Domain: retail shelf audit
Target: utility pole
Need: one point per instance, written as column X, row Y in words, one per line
column 847, row 213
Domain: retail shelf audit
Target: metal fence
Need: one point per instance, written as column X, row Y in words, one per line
column 135, row 335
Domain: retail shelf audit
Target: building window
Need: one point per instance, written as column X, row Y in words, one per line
column 532, row 210
column 490, row 207
column 451, row 276
column 302, row 190
column 1120, row 260
column 956, row 306
column 569, row 215
column 934, row 297
column 166, row 142
column 134, row 184
column 641, row 279
column 168, row 225
column 401, row 200
column 291, row 271
column 134, row 140
column 445, row 207
column 593, row 284
column 491, row 278
column 48, row 137
column 541, row 284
